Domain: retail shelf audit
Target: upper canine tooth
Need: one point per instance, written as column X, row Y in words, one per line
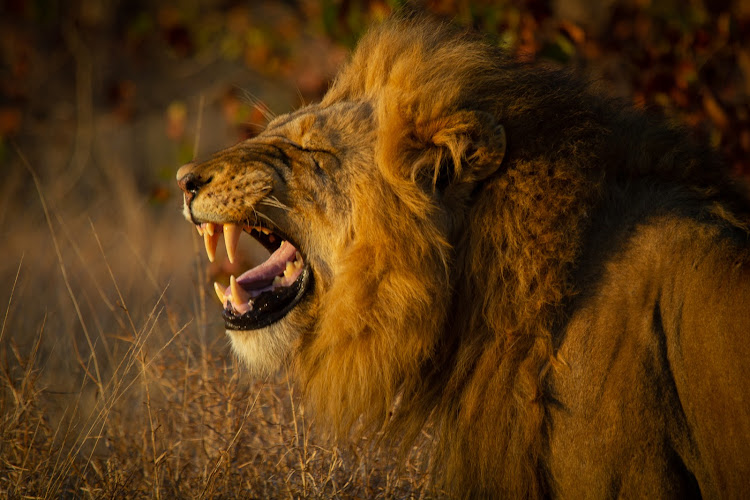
column 239, row 295
column 210, row 240
column 231, row 238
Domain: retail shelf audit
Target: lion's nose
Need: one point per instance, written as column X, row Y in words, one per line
column 184, row 170
column 189, row 182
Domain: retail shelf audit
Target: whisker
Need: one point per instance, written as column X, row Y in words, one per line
column 260, row 105
column 276, row 200
column 272, row 201
column 255, row 218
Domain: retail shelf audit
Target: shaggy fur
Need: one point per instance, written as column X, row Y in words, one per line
column 569, row 309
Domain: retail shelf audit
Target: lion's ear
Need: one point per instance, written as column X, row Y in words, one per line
column 465, row 147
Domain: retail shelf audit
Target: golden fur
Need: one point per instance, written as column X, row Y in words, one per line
column 569, row 310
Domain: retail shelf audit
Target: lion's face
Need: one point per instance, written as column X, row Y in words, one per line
column 287, row 188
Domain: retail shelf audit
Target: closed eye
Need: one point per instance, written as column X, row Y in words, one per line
column 312, row 153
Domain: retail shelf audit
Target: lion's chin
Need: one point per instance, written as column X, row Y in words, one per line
column 264, row 350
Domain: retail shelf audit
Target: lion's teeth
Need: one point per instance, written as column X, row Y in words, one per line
column 210, row 240
column 265, row 230
column 289, row 269
column 210, row 228
column 220, row 293
column 231, row 238
column 200, row 231
column 239, row 295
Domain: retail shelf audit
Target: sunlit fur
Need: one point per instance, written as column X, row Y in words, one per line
column 541, row 276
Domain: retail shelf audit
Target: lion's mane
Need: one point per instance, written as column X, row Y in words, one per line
column 450, row 315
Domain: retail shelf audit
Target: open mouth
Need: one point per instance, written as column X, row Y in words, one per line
column 265, row 293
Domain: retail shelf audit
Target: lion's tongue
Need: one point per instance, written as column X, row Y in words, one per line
column 281, row 269
column 262, row 275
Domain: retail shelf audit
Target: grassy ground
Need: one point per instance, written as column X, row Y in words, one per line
column 116, row 380
column 115, row 376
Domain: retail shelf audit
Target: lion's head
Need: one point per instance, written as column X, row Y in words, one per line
column 360, row 200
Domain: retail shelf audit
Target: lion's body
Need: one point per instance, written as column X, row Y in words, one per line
column 571, row 312
column 663, row 411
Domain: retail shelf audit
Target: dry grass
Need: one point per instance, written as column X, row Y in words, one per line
column 115, row 377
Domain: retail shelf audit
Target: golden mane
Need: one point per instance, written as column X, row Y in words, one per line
column 405, row 314
column 462, row 327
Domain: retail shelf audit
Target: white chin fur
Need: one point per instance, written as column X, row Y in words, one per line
column 186, row 212
column 266, row 349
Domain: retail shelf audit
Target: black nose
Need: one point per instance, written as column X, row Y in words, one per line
column 191, row 184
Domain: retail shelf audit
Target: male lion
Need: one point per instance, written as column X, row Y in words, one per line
column 569, row 310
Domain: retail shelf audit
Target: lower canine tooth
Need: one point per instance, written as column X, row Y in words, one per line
column 289, row 269
column 220, row 293
column 239, row 296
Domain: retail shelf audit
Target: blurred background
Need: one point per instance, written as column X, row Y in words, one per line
column 115, row 375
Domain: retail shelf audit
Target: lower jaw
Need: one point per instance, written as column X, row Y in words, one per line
column 268, row 311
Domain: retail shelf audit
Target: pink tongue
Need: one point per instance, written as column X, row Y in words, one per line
column 262, row 275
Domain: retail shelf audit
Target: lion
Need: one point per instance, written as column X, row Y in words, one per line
column 557, row 285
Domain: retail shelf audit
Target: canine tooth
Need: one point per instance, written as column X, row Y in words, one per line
column 289, row 269
column 210, row 228
column 231, row 238
column 210, row 241
column 220, row 293
column 239, row 296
